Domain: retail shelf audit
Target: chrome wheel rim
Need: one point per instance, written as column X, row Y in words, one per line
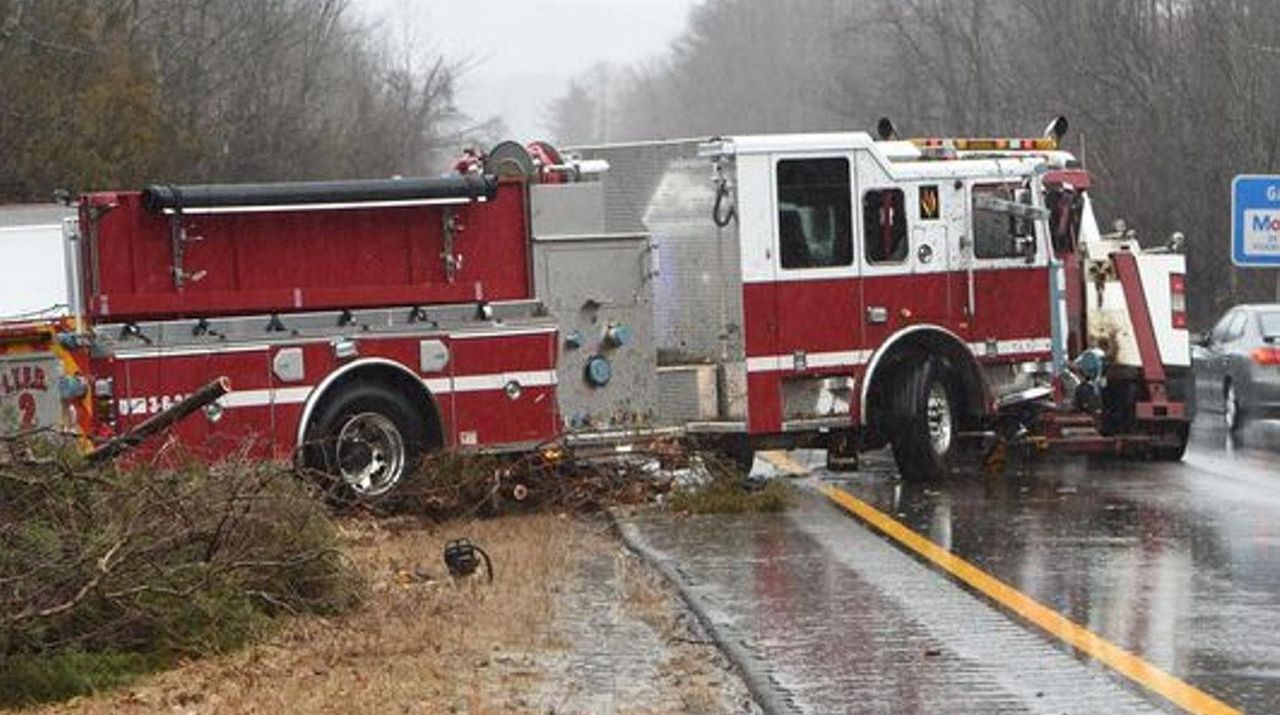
column 1231, row 410
column 938, row 412
column 370, row 454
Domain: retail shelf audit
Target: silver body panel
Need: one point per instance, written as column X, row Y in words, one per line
column 597, row 286
column 567, row 209
column 688, row 393
column 666, row 189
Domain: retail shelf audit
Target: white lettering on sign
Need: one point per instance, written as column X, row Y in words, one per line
column 150, row 405
column 1262, row 230
column 1273, row 193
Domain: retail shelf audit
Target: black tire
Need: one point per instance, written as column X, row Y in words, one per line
column 919, row 455
column 1174, row 452
column 360, row 429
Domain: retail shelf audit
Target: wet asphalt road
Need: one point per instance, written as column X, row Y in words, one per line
column 1178, row 563
column 825, row 617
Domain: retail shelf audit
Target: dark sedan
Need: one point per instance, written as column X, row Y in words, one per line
column 1237, row 365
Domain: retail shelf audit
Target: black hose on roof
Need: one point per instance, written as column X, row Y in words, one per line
column 160, row 197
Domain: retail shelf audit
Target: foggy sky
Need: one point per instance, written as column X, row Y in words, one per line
column 524, row 52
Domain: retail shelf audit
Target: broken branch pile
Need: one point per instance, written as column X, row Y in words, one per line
column 452, row 485
column 99, row 562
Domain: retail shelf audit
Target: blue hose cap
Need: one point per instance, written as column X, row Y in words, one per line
column 598, row 371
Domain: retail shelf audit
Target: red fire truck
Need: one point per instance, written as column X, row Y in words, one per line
column 830, row 290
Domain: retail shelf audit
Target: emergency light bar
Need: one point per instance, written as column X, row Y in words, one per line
column 989, row 144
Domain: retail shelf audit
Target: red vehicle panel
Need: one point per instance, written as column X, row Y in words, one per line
column 281, row 261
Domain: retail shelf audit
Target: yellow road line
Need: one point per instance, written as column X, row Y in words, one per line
column 1183, row 695
column 784, row 461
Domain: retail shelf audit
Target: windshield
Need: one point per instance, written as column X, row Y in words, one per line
column 1269, row 324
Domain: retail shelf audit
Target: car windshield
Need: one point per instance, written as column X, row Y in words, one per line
column 1269, row 324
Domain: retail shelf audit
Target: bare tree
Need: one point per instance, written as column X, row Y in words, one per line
column 581, row 114
column 116, row 92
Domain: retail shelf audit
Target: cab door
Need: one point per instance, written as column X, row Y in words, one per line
column 908, row 233
column 931, row 215
column 1008, row 308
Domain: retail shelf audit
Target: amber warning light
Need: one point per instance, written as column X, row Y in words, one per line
column 995, row 144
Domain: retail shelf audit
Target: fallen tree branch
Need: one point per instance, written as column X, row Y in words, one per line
column 104, row 569
column 161, row 421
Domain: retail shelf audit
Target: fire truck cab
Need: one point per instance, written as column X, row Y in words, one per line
column 832, row 290
column 851, row 292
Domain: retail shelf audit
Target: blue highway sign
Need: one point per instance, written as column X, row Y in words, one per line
column 1255, row 221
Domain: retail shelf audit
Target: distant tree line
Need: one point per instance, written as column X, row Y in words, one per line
column 113, row 93
column 1168, row 99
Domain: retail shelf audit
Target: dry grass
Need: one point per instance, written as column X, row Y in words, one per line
column 421, row 644
column 647, row 596
column 701, row 687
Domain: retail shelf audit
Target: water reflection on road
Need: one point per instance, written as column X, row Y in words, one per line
column 1177, row 562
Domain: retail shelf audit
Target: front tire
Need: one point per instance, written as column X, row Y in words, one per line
column 367, row 439
column 924, row 418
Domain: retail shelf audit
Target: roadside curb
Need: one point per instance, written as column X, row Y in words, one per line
column 758, row 684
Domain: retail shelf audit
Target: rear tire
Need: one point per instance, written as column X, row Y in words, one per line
column 368, row 439
column 924, row 418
